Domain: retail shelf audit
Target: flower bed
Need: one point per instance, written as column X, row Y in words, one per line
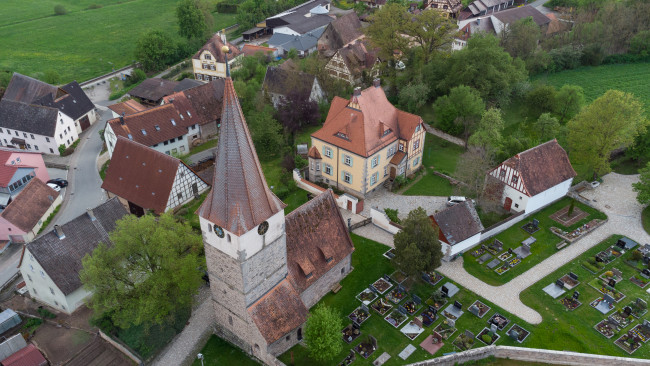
column 381, row 306
column 434, row 278
column 629, row 342
column 398, row 276
column 366, row 296
column 350, row 333
column 503, row 269
column 486, row 338
column 606, row 328
column 382, row 285
column 500, row 320
column 478, row 252
column 504, row 256
column 620, row 319
column 411, row 307
column 613, row 273
column 437, row 303
column 639, row 281
column 444, row 329
column 366, row 348
column 390, row 254
column 396, row 296
column 513, row 262
column 570, row 303
column 523, row 333
column 359, row 315
column 530, row 228
column 605, row 289
column 395, row 318
column 482, row 308
column 463, row 342
column 638, row 310
column 642, row 332
column 427, row 317
column 348, row 360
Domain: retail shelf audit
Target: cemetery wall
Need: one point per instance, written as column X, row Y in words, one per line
column 532, row 355
column 502, row 226
column 381, row 220
column 323, row 285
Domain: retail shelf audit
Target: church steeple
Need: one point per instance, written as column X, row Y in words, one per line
column 240, row 199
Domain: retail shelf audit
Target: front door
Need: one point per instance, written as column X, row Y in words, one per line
column 393, row 172
column 84, row 123
column 350, row 206
column 507, row 204
column 195, row 189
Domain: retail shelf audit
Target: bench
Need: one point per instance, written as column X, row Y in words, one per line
column 561, row 245
column 336, row 287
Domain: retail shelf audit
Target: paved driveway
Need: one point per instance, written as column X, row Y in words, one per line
column 383, row 199
column 615, row 197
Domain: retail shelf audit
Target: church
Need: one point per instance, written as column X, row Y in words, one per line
column 266, row 269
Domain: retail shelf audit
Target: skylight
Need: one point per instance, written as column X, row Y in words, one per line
column 144, row 132
column 188, row 114
column 173, row 122
column 157, row 127
column 130, row 137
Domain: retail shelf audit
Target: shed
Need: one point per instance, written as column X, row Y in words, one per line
column 8, row 320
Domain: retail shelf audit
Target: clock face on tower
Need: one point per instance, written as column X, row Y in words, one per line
column 263, row 228
column 218, row 230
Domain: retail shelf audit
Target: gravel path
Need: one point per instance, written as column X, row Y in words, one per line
column 615, row 197
column 382, row 199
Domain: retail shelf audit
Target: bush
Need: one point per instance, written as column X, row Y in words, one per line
column 227, row 8
column 486, row 338
column 185, row 75
column 137, row 75
column 393, row 215
column 399, row 181
column 94, row 6
column 60, row 10
column 590, row 266
column 593, row 55
column 637, row 255
column 45, row 313
column 61, row 149
column 300, row 162
column 564, row 58
column 609, row 274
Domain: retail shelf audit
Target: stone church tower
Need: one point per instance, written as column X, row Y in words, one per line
column 243, row 227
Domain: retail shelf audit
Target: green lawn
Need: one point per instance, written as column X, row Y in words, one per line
column 219, row 352
column 645, row 219
column 83, row 43
column 574, row 330
column 512, row 238
column 204, row 146
column 439, row 155
column 430, row 185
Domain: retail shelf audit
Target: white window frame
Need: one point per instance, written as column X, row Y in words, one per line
column 328, row 169
column 347, row 177
column 374, row 162
column 347, row 160
column 328, row 152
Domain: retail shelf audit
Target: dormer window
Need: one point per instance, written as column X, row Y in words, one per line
column 502, row 173
column 342, row 135
column 207, row 56
column 130, row 136
column 157, row 127
column 329, row 259
column 18, row 159
column 387, row 132
column 181, row 116
column 188, row 114
column 308, row 275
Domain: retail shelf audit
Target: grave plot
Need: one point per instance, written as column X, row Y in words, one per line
column 504, row 256
column 413, row 305
column 532, row 227
column 488, row 336
column 453, row 311
column 366, row 296
column 479, row 309
column 607, row 328
column 484, row 258
column 612, row 274
column 449, row 289
column 396, row 295
column 446, row 328
column 639, row 280
column 350, row 333
column 570, row 280
column 603, row 304
column 349, row 359
column 503, row 269
column 479, row 251
column 406, row 352
column 367, row 347
column 638, row 308
column 428, row 316
column 464, row 341
column 642, row 331
column 623, row 319
column 382, row 285
column 629, row 342
column 607, row 288
column 359, row 315
column 515, row 261
column 437, row 300
column 396, row 318
column 576, row 233
column 499, row 320
column 563, row 218
column 495, row 247
column 432, row 278
column 555, row 290
column 432, row 343
column 398, row 277
column 494, row 263
column 412, row 330
column 390, row 254
column 381, row 306
column 639, row 259
column 571, row 302
column 518, row 333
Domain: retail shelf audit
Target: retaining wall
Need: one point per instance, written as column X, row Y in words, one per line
column 122, row 348
column 381, row 220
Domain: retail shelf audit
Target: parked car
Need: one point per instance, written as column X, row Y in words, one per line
column 452, row 200
column 54, row 187
column 59, row 182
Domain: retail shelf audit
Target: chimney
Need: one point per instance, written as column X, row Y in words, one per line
column 376, row 83
column 59, row 232
column 357, row 92
column 91, row 214
column 122, row 119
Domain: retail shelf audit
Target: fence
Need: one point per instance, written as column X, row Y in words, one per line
column 121, row 347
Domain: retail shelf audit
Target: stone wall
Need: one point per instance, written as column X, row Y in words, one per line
column 289, row 340
column 381, row 220
column 324, row 284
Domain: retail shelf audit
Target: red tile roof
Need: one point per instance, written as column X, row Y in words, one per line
column 30, row 205
column 458, row 222
column 161, row 116
column 28, row 356
column 367, row 123
column 313, row 153
column 129, row 107
column 214, row 45
column 251, row 50
column 315, row 232
column 240, row 199
column 542, row 167
column 141, row 175
column 204, row 102
column 278, row 312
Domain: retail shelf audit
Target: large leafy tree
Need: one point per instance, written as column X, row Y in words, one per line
column 323, row 333
column 296, row 110
column 154, row 50
column 194, row 20
column 541, row 99
column 547, row 127
column 417, row 247
column 473, row 166
column 610, row 122
column 461, row 109
column 642, row 187
column 149, row 272
column 488, row 133
column 413, row 96
column 386, row 29
column 520, row 38
column 432, row 31
column 569, row 101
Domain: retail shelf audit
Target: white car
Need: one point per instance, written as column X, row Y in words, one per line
column 54, row 187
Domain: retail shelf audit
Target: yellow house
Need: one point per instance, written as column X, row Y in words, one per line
column 364, row 142
column 209, row 63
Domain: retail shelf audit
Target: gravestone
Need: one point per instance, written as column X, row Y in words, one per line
column 514, row 335
column 433, row 310
column 416, row 299
column 573, row 276
column 620, row 243
column 646, row 260
column 387, row 278
column 458, row 305
column 469, row 334
column 400, row 288
column 576, row 295
column 402, row 310
column 612, row 282
column 645, row 273
column 559, row 283
column 535, row 222
column 444, row 290
column 474, row 310
column 373, row 289
column 640, row 301
column 627, row 311
column 510, row 250
column 365, row 308
column 426, row 277
column 646, row 323
column 598, row 259
column 608, row 299
column 493, row 328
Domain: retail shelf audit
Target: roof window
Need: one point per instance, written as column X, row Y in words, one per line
column 173, row 122
column 157, row 127
column 188, row 114
column 181, row 114
column 342, row 135
column 130, row 137
column 144, row 132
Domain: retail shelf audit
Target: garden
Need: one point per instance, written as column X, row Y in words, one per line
column 438, row 155
column 517, row 249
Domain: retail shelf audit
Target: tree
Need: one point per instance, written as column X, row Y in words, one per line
column 432, row 31
column 569, row 101
column 642, row 187
column 547, row 127
column 417, row 236
column 488, row 133
column 462, row 107
column 610, row 122
column 60, row 10
column 486, row 67
column 413, row 96
column 148, row 273
column 520, row 38
column 295, row 110
column 386, row 28
column 154, row 50
column 52, row 77
column 541, row 99
column 323, row 333
column 194, row 20
column 473, row 166
column 266, row 132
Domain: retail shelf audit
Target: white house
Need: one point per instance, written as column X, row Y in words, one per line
column 146, row 179
column 51, row 264
column 535, row 178
column 459, row 228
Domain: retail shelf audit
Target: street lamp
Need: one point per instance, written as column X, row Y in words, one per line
column 200, row 357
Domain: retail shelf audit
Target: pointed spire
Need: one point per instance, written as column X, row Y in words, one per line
column 240, row 199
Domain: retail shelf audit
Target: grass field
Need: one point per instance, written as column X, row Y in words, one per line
column 83, row 43
column 439, row 155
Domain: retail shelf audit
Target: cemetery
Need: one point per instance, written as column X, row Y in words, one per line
column 488, row 336
column 510, row 253
column 571, row 302
column 518, row 333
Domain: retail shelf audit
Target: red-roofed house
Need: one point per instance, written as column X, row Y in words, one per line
column 209, row 63
column 535, row 178
column 364, row 142
column 252, row 50
column 17, row 168
column 28, row 356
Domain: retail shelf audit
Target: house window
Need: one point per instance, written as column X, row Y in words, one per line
column 317, row 166
column 327, row 152
column 417, row 129
column 47, row 139
column 373, row 178
column 207, row 57
column 347, row 177
column 36, row 147
column 29, row 277
column 182, row 148
column 68, row 128
column 17, row 133
column 166, row 143
column 416, row 144
column 24, row 134
column 401, row 147
column 516, row 205
column 502, row 173
column 347, row 160
column 385, row 171
column 1, row 130
column 42, row 274
column 52, row 291
column 288, row 338
column 374, row 162
column 31, row 135
column 51, row 151
column 416, row 161
column 515, row 179
column 328, row 169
